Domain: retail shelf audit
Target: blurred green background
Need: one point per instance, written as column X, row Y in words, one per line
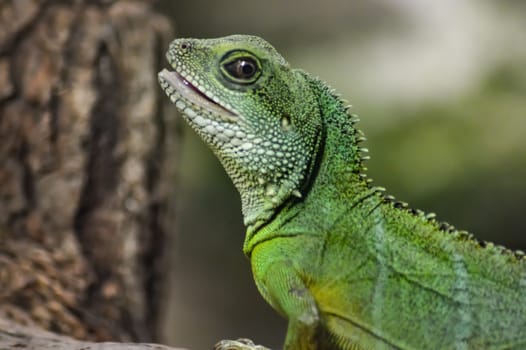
column 441, row 90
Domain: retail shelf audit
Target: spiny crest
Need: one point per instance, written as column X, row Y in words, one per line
column 429, row 218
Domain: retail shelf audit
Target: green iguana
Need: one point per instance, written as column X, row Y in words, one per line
column 348, row 266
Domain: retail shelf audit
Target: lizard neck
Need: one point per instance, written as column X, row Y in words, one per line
column 343, row 156
column 336, row 172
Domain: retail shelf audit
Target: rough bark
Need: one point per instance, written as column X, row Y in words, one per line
column 84, row 167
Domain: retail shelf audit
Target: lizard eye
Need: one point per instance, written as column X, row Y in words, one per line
column 241, row 69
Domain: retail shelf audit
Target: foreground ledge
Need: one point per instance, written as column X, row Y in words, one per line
column 15, row 336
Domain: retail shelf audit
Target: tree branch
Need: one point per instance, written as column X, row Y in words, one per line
column 14, row 336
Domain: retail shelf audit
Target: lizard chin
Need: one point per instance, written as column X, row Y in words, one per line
column 179, row 88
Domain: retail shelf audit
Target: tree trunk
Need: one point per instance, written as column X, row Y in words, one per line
column 85, row 162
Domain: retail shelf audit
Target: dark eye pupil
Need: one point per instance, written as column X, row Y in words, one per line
column 243, row 68
column 247, row 68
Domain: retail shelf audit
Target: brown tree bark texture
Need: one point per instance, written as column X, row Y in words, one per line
column 85, row 167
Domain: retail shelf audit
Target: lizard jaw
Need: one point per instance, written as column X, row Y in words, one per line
column 179, row 88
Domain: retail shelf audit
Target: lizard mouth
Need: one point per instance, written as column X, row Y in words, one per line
column 190, row 93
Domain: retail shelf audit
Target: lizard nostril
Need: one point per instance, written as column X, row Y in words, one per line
column 185, row 45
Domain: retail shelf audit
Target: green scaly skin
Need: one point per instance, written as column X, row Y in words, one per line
column 349, row 267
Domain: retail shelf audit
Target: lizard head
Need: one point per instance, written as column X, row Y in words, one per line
column 258, row 115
